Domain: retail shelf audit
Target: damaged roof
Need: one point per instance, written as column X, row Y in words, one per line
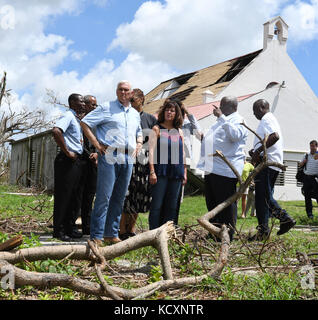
column 189, row 87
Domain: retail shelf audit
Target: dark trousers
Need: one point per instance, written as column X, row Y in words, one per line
column 310, row 190
column 218, row 189
column 164, row 201
column 67, row 175
column 86, row 193
column 265, row 204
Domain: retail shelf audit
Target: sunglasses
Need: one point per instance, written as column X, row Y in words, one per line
column 135, row 99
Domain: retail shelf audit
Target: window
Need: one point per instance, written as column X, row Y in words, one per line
column 174, row 86
column 288, row 177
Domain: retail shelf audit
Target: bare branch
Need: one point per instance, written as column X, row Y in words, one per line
column 53, row 99
column 221, row 155
column 3, row 87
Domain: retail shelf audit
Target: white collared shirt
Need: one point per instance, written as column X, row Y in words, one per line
column 228, row 136
column 267, row 126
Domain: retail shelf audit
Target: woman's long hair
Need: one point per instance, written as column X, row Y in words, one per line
column 178, row 119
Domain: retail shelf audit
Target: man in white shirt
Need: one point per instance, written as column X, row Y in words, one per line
column 229, row 136
column 311, row 172
column 265, row 203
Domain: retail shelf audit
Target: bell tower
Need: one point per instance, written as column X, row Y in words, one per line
column 275, row 30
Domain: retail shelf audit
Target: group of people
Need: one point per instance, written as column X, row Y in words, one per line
column 104, row 154
column 133, row 162
column 229, row 136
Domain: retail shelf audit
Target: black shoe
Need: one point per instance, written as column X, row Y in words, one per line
column 86, row 231
column 310, row 215
column 123, row 236
column 61, row 236
column 286, row 222
column 286, row 225
column 261, row 234
column 75, row 234
column 131, row 234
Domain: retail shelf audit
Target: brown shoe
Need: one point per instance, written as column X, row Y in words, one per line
column 98, row 242
column 111, row 240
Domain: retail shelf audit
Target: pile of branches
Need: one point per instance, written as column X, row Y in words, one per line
column 25, row 224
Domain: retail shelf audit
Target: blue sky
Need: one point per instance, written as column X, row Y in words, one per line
column 88, row 46
column 99, row 21
column 103, row 21
column 305, row 58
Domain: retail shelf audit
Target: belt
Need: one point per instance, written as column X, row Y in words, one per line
column 61, row 154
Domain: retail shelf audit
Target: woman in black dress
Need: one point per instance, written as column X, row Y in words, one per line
column 138, row 198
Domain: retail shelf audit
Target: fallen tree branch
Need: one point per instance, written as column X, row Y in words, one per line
column 157, row 238
column 11, row 243
column 221, row 155
column 107, row 288
column 50, row 280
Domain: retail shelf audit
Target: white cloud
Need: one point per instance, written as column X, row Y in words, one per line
column 27, row 53
column 30, row 56
column 100, row 3
column 102, row 79
column 192, row 34
column 302, row 17
column 78, row 55
column 163, row 37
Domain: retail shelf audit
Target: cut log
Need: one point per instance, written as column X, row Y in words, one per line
column 11, row 243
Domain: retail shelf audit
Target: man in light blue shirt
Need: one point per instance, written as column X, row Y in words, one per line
column 229, row 136
column 67, row 168
column 118, row 139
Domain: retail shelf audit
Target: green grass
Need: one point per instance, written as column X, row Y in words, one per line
column 12, row 205
column 187, row 259
column 194, row 207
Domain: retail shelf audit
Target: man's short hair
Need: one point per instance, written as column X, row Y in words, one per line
column 261, row 103
column 123, row 82
column 230, row 101
column 73, row 97
column 88, row 97
column 314, row 142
